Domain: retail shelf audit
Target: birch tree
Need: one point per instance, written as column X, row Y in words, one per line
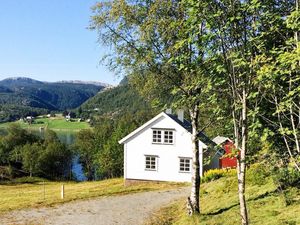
column 246, row 31
column 280, row 76
column 163, row 46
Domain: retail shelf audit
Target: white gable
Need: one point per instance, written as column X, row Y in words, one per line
column 162, row 121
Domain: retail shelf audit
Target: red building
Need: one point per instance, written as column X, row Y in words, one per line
column 227, row 161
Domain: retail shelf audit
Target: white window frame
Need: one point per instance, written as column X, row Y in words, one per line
column 167, row 134
column 163, row 133
column 184, row 166
column 152, row 158
column 155, row 136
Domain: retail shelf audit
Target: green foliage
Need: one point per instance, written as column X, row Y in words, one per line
column 111, row 157
column 258, row 173
column 30, row 154
column 114, row 102
column 55, row 161
column 22, row 154
column 27, row 180
column 87, row 148
column 215, row 174
column 286, row 177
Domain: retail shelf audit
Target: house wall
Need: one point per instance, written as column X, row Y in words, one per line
column 140, row 145
column 228, row 162
column 214, row 162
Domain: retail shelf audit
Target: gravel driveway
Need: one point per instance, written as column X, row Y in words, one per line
column 130, row 209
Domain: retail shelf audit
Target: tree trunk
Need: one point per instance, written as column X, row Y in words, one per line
column 241, row 166
column 193, row 200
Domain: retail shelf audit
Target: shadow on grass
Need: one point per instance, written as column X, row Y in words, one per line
column 220, row 211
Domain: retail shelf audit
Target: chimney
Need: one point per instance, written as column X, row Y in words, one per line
column 169, row 111
column 180, row 114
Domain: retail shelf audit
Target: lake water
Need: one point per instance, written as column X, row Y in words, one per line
column 68, row 138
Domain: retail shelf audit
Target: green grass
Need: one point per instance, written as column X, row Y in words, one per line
column 17, row 195
column 55, row 123
column 219, row 206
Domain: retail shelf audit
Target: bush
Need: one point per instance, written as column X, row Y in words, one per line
column 215, row 174
column 257, row 174
column 287, row 177
column 27, row 180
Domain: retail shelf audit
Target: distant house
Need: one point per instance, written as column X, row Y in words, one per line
column 228, row 145
column 29, row 119
column 161, row 150
column 68, row 117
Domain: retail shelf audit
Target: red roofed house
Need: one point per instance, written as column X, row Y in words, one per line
column 227, row 145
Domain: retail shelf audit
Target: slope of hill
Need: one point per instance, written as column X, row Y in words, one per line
column 20, row 95
column 114, row 101
column 267, row 204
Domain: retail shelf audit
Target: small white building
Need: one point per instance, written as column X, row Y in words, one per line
column 161, row 150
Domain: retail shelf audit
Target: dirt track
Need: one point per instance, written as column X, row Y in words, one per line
column 130, row 209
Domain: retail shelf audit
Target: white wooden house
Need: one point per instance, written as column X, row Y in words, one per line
column 161, row 150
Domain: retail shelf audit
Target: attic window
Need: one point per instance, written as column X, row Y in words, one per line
column 168, row 137
column 162, row 136
column 157, row 136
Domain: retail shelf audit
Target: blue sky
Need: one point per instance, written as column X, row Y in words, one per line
column 48, row 40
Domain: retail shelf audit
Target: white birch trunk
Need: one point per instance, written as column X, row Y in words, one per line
column 193, row 200
column 242, row 163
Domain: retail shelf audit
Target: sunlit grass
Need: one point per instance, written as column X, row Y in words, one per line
column 55, row 123
column 219, row 206
column 17, row 196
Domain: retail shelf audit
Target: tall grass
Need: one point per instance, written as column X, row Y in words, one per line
column 219, row 203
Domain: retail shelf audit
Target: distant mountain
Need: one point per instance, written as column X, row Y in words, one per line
column 85, row 82
column 25, row 93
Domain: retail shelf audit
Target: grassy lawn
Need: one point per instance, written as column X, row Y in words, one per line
column 219, row 206
column 55, row 123
column 17, row 196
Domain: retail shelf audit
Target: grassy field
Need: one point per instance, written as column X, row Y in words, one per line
column 54, row 123
column 17, row 196
column 219, row 206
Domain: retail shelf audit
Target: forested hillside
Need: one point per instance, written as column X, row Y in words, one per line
column 115, row 101
column 22, row 96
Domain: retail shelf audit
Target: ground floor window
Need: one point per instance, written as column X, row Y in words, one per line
column 184, row 165
column 150, row 162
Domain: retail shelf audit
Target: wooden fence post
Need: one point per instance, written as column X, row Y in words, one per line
column 62, row 191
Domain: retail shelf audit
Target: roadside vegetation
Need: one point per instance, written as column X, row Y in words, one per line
column 268, row 203
column 34, row 192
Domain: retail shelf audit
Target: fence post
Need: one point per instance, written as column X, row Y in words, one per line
column 44, row 191
column 62, row 191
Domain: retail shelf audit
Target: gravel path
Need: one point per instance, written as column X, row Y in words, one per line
column 130, row 209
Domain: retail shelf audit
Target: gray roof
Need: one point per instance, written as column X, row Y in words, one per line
column 219, row 140
column 185, row 124
column 188, row 126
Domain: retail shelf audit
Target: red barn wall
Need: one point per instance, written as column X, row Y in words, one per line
column 228, row 162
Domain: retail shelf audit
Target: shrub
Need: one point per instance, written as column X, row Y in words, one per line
column 27, row 180
column 287, row 177
column 257, row 174
column 215, row 174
